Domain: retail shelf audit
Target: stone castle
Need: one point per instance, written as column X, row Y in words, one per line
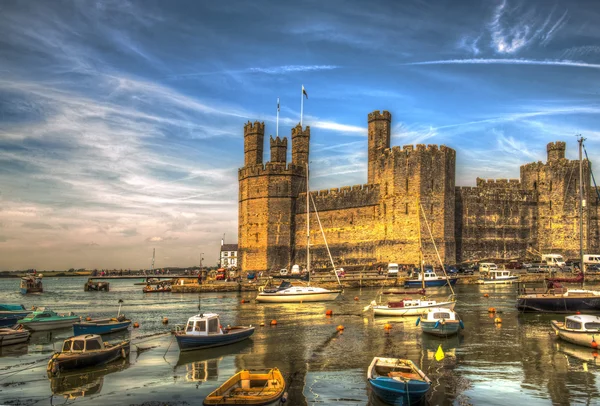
column 379, row 222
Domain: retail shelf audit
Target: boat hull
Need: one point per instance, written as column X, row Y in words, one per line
column 10, row 336
column 409, row 311
column 399, row 393
column 582, row 338
column 435, row 283
column 8, row 321
column 69, row 361
column 297, row 298
column 50, row 325
column 440, row 329
column 25, row 291
column 189, row 342
column 97, row 328
column 557, row 304
column 248, row 388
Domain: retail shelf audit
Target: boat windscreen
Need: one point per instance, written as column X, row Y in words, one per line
column 441, row 315
column 285, row 285
column 67, row 346
column 213, row 325
column 592, row 326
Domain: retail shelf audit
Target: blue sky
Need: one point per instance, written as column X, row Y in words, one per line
column 121, row 122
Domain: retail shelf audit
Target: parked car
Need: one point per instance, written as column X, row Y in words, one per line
column 451, row 269
column 466, row 269
column 514, row 264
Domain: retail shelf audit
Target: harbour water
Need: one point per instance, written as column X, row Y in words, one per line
column 519, row 361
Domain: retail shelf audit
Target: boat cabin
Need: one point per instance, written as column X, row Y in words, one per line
column 499, row 274
column 85, row 343
column 583, row 322
column 203, row 325
column 282, row 286
column 42, row 314
column 440, row 313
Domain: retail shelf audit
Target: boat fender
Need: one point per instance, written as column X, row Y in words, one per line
column 462, row 325
column 284, row 397
column 418, row 321
column 437, row 324
column 261, row 288
column 123, row 353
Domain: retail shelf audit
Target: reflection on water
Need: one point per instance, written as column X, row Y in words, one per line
column 86, row 382
column 14, row 350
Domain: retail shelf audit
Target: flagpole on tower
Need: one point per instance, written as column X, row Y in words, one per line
column 301, row 105
column 277, row 117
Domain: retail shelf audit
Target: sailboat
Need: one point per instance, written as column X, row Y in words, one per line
column 556, row 299
column 415, row 307
column 288, row 293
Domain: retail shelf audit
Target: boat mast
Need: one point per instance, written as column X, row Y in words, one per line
column 420, row 244
column 153, row 252
column 581, row 203
column 307, row 227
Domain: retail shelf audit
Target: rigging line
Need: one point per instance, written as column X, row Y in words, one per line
column 591, row 172
column 325, row 239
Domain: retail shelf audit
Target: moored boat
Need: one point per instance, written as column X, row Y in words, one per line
column 498, row 276
column 31, row 284
column 46, row 319
column 558, row 300
column 8, row 321
column 249, row 388
column 441, row 322
column 17, row 310
column 9, row 336
column 204, row 331
column 101, row 326
column 397, row 381
column 429, row 279
column 288, row 293
column 581, row 329
column 409, row 307
column 85, row 351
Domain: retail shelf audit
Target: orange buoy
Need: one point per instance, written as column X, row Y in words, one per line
column 355, row 297
column 387, row 326
column 577, row 312
column 165, row 320
column 594, row 344
column 88, row 318
column 486, row 295
column 273, row 322
column 595, row 354
column 329, row 313
column 136, row 324
column 243, row 301
column 498, row 320
column 340, row 328
column 491, row 310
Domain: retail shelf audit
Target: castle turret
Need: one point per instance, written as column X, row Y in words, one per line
column 253, row 143
column 379, row 139
column 556, row 150
column 300, row 143
column 278, row 149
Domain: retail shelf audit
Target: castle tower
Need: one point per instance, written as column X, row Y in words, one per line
column 300, row 145
column 556, row 150
column 278, row 149
column 253, row 143
column 379, row 140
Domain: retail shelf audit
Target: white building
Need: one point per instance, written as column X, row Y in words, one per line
column 229, row 255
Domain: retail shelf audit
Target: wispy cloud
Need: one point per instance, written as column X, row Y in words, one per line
column 279, row 70
column 581, row 51
column 486, row 61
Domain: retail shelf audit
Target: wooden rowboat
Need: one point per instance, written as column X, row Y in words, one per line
column 250, row 388
column 397, row 381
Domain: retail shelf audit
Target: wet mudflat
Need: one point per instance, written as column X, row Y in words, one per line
column 519, row 361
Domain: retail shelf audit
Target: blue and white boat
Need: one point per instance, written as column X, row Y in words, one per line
column 9, row 310
column 8, row 321
column 429, row 279
column 441, row 322
column 31, row 284
column 101, row 326
column 204, row 331
column 397, row 381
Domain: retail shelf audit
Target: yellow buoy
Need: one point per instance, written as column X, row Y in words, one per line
column 262, row 324
column 340, row 328
column 387, row 326
column 498, row 320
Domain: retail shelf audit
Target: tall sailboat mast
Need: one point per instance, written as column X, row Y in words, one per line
column 153, row 252
column 420, row 244
column 307, row 226
column 581, row 203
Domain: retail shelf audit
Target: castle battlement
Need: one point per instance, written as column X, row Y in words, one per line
column 498, row 183
column 378, row 115
column 271, row 168
column 299, row 131
column 341, row 198
column 252, row 128
column 279, row 141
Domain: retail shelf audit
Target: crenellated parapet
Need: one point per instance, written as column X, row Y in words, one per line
column 271, row 168
column 300, row 145
column 341, row 198
column 380, row 115
column 254, row 134
column 499, row 183
column 278, row 149
column 556, row 150
column 253, row 128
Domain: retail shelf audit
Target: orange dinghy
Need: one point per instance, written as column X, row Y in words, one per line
column 249, row 388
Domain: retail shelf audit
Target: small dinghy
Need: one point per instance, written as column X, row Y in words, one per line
column 102, row 326
column 205, row 331
column 250, row 388
column 9, row 336
column 397, row 381
column 86, row 351
column 581, row 329
column 441, row 322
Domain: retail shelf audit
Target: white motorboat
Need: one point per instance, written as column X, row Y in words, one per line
column 46, row 319
column 580, row 329
column 409, row 307
column 9, row 336
column 498, row 277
